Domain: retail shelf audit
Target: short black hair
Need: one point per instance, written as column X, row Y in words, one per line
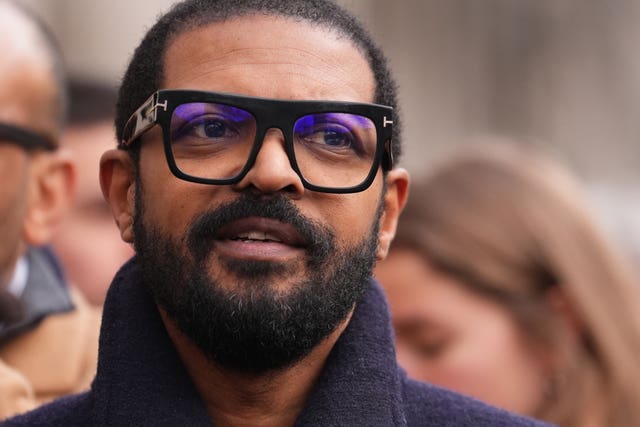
column 145, row 71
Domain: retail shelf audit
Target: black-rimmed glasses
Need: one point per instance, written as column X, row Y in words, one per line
column 214, row 138
column 25, row 138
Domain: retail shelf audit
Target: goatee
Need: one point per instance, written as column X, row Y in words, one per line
column 256, row 328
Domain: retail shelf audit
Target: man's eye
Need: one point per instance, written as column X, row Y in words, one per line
column 211, row 129
column 336, row 138
column 206, row 127
column 329, row 136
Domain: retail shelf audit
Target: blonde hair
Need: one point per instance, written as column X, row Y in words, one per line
column 512, row 225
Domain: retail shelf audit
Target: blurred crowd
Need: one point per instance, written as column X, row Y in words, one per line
column 504, row 284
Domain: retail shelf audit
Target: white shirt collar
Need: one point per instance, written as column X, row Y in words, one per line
column 19, row 280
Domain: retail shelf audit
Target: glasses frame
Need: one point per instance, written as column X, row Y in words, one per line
column 25, row 138
column 269, row 113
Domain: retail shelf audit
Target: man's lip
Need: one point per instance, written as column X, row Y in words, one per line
column 259, row 227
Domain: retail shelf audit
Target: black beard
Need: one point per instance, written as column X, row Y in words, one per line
column 254, row 329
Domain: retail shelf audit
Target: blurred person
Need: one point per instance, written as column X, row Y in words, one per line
column 619, row 210
column 255, row 177
column 502, row 286
column 48, row 332
column 87, row 241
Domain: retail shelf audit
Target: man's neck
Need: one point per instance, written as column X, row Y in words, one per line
column 236, row 399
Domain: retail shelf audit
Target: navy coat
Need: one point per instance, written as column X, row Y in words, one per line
column 141, row 380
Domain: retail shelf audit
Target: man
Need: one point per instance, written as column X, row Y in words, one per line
column 256, row 181
column 89, row 132
column 48, row 337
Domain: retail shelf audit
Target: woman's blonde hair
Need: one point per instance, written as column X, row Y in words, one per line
column 514, row 226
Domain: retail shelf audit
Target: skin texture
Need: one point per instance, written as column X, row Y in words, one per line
column 13, row 206
column 37, row 186
column 450, row 336
column 88, row 267
column 267, row 57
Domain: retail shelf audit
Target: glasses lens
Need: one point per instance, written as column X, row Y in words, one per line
column 210, row 140
column 335, row 150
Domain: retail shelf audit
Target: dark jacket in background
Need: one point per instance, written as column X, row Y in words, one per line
column 51, row 348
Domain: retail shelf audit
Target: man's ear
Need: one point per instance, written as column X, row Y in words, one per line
column 117, row 180
column 51, row 191
column 394, row 201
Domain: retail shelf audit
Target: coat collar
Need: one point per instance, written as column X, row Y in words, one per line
column 141, row 375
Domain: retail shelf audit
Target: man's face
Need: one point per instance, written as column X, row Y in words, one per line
column 26, row 85
column 273, row 58
column 284, row 263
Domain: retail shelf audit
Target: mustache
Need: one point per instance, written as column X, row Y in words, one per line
column 318, row 238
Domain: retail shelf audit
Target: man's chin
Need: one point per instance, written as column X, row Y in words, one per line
column 287, row 308
column 242, row 277
column 266, row 321
column 254, row 269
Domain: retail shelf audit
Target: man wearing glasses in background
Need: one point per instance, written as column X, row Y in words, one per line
column 48, row 334
column 255, row 176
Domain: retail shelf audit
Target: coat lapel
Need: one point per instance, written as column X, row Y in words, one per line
column 140, row 373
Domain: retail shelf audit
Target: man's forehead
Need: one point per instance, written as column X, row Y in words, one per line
column 242, row 55
column 26, row 91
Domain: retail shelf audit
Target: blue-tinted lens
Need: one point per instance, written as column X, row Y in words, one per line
column 335, row 149
column 214, row 141
column 210, row 140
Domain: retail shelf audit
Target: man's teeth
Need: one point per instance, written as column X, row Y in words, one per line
column 257, row 235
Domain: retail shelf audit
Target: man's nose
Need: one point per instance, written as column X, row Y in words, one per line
column 272, row 171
